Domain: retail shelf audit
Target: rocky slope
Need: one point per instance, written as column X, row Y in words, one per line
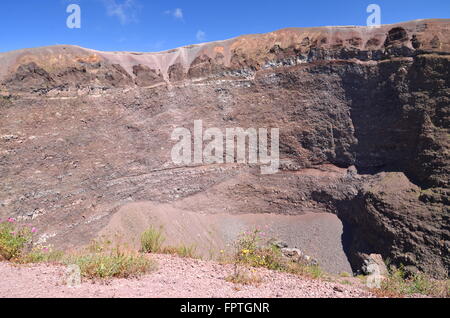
column 364, row 134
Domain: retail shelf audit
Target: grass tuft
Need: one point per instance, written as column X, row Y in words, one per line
column 14, row 239
column 41, row 254
column 152, row 240
column 398, row 283
column 254, row 250
column 104, row 262
column 182, row 251
column 244, row 276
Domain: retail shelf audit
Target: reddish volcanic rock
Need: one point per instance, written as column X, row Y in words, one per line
column 364, row 123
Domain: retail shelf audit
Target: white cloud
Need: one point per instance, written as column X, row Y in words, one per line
column 201, row 36
column 125, row 11
column 177, row 13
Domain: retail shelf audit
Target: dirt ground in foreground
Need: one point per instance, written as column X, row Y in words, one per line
column 174, row 278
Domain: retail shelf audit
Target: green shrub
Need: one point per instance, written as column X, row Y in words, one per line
column 152, row 240
column 100, row 260
column 16, row 245
column 41, row 254
column 100, row 245
column 399, row 283
column 244, row 276
column 187, row 251
column 13, row 239
column 252, row 249
column 312, row 271
column 182, row 251
column 116, row 263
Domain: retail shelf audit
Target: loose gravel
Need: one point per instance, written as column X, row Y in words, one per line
column 174, row 278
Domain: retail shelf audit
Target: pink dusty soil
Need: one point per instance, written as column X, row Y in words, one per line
column 174, row 278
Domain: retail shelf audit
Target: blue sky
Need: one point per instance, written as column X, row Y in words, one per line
column 152, row 25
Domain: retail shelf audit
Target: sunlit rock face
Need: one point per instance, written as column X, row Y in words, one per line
column 364, row 125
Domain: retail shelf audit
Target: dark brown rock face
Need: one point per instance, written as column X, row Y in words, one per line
column 364, row 122
column 146, row 77
column 389, row 215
